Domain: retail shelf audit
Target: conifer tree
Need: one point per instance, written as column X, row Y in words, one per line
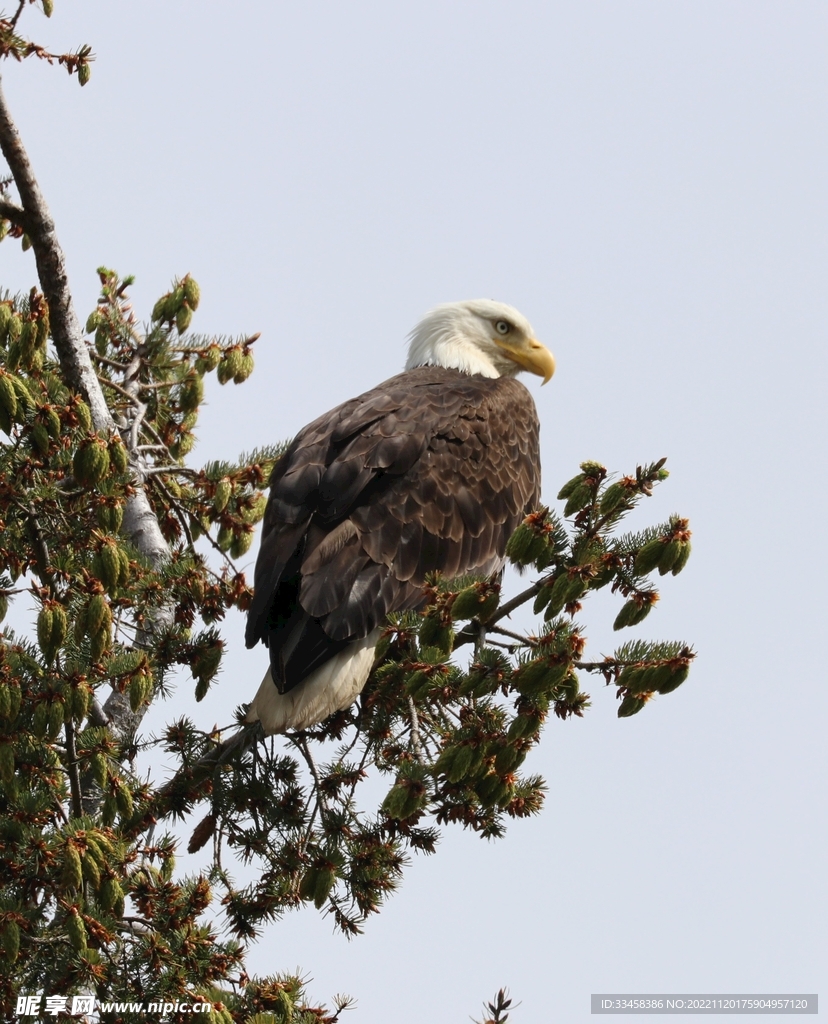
column 128, row 553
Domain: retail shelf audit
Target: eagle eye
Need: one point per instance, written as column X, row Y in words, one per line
column 503, row 327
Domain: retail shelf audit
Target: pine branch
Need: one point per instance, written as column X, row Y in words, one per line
column 140, row 524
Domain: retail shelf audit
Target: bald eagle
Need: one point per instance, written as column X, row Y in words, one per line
column 430, row 471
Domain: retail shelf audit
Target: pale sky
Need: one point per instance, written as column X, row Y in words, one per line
column 646, row 182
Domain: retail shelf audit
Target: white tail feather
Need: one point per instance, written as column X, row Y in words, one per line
column 332, row 687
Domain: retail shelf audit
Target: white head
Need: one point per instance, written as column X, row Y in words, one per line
column 479, row 336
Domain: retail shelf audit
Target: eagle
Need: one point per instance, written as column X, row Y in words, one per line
column 430, row 471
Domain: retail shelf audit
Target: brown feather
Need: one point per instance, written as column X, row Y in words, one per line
column 430, row 471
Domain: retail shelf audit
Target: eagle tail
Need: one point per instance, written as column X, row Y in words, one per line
column 330, row 688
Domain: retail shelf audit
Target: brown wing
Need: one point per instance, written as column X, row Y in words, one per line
column 432, row 470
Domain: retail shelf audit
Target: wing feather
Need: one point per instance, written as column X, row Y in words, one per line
column 430, row 471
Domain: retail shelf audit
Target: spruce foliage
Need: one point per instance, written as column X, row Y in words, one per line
column 91, row 900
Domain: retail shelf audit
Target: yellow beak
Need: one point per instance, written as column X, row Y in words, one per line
column 532, row 356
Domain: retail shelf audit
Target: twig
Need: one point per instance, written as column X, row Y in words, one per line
column 529, row 641
column 72, row 769
column 301, row 742
column 120, row 367
column 516, row 602
column 16, row 214
column 415, row 731
column 16, row 16
column 121, row 391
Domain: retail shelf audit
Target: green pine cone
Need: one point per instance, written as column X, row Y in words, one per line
column 15, row 700
column 649, row 556
column 241, row 543
column 57, row 713
column 40, row 719
column 123, row 568
column 81, row 627
column 45, row 621
column 681, row 560
column 6, row 762
column 394, row 803
column 108, row 810
column 118, row 455
column 109, row 564
column 84, row 415
column 245, row 368
column 11, row 940
column 72, row 872
column 523, row 725
column 99, row 643
column 76, row 930
column 98, row 768
column 109, row 517
column 28, row 342
column 462, row 763
column 669, row 555
column 631, row 614
column 79, row 702
column 417, row 684
column 111, row 894
column 192, row 292
column 192, row 393
column 612, row 498
column 234, row 359
column 674, row 680
column 570, row 486
column 60, row 626
column 224, row 491
column 98, row 614
column 123, row 800
column 325, row 879
column 52, row 420
column 491, row 790
column 540, row 678
column 211, row 357
column 519, row 545
column 8, row 397
column 630, row 706
column 508, row 758
column 580, row 497
column 41, row 441
column 91, row 871
column 183, row 318
column 42, row 333
column 159, row 310
column 223, row 373
column 136, row 693
column 434, row 634
column 307, row 886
